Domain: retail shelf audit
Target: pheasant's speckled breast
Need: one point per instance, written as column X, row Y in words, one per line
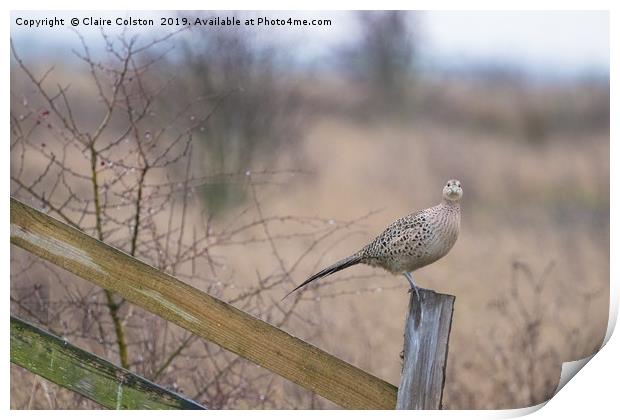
column 416, row 240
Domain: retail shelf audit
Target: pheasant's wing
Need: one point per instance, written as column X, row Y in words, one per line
column 399, row 237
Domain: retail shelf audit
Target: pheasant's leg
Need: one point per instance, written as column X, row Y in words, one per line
column 414, row 288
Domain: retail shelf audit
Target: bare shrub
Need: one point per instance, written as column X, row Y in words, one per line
column 115, row 167
column 519, row 359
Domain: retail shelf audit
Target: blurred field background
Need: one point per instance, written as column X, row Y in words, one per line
column 252, row 165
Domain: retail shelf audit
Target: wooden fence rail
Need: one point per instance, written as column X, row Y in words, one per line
column 198, row 312
column 87, row 374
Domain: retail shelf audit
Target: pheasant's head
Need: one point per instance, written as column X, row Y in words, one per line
column 453, row 191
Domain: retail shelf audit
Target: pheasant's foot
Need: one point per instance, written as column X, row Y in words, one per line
column 415, row 289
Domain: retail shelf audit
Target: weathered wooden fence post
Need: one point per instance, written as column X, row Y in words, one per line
column 427, row 332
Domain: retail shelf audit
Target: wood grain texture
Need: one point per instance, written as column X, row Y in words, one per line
column 198, row 312
column 427, row 332
column 87, row 374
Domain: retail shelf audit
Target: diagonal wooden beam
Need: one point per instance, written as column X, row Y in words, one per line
column 198, row 312
column 87, row 374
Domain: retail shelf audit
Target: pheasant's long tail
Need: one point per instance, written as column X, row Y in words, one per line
column 340, row 265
